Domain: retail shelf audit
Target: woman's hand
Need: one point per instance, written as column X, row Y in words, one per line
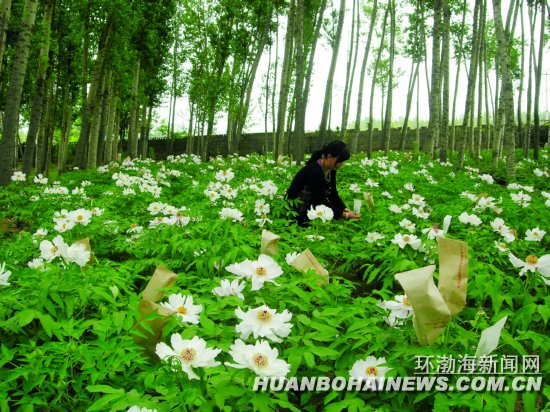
column 350, row 215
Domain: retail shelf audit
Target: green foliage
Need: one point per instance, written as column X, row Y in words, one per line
column 65, row 332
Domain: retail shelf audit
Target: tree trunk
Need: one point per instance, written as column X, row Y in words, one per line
column 352, row 61
column 373, row 83
column 105, row 113
column 445, row 60
column 538, row 81
column 245, row 104
column 328, row 89
column 482, row 34
column 145, row 128
column 507, row 91
column 285, row 83
column 50, row 122
column 38, row 98
column 470, row 88
column 299, row 128
column 110, row 129
column 355, row 140
column 95, row 120
column 412, row 81
column 527, row 130
column 11, row 118
column 81, row 155
column 386, row 134
column 458, row 64
column 133, row 129
column 520, row 94
column 316, row 35
column 41, row 145
column 435, row 95
column 4, row 20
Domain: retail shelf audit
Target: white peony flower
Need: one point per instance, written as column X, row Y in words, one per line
column 18, row 176
column 77, row 253
column 407, row 224
column 233, row 214
column 434, row 232
column 533, row 264
column 224, row 175
column 373, row 237
column 395, row 209
column 260, row 358
column 188, row 354
column 227, row 288
column 265, row 269
column 535, row 234
column 320, row 212
column 369, row 368
column 184, row 308
column 264, row 322
column 51, row 250
column 469, row 219
column 37, row 263
column 4, row 275
column 404, row 240
column 291, row 256
column 81, row 216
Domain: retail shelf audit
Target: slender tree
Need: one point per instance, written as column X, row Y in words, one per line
column 11, row 118
column 330, row 79
column 503, row 39
column 373, row 14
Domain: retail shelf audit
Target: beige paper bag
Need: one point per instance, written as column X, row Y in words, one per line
column 305, row 261
column 357, row 206
column 430, row 312
column 269, row 243
column 149, row 335
column 86, row 243
column 369, row 199
column 453, row 273
column 161, row 279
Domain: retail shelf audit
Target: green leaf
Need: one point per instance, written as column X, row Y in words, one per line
column 103, row 389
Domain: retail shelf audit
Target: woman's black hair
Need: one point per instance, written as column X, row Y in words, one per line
column 336, row 148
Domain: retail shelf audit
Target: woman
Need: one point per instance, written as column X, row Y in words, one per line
column 315, row 183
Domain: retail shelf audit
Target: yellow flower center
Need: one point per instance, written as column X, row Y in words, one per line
column 79, row 217
column 503, row 245
column 261, row 271
column 406, row 238
column 532, row 260
column 260, row 360
column 264, row 315
column 188, row 354
column 319, row 213
column 55, row 249
column 406, row 301
column 182, row 310
column 133, row 226
column 512, row 231
column 372, row 371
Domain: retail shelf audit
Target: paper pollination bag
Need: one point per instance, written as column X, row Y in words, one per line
column 369, row 199
column 149, row 329
column 357, row 203
column 269, row 243
column 305, row 261
column 434, row 306
column 453, row 273
column 430, row 312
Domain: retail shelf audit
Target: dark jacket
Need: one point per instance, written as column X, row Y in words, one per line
column 312, row 187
